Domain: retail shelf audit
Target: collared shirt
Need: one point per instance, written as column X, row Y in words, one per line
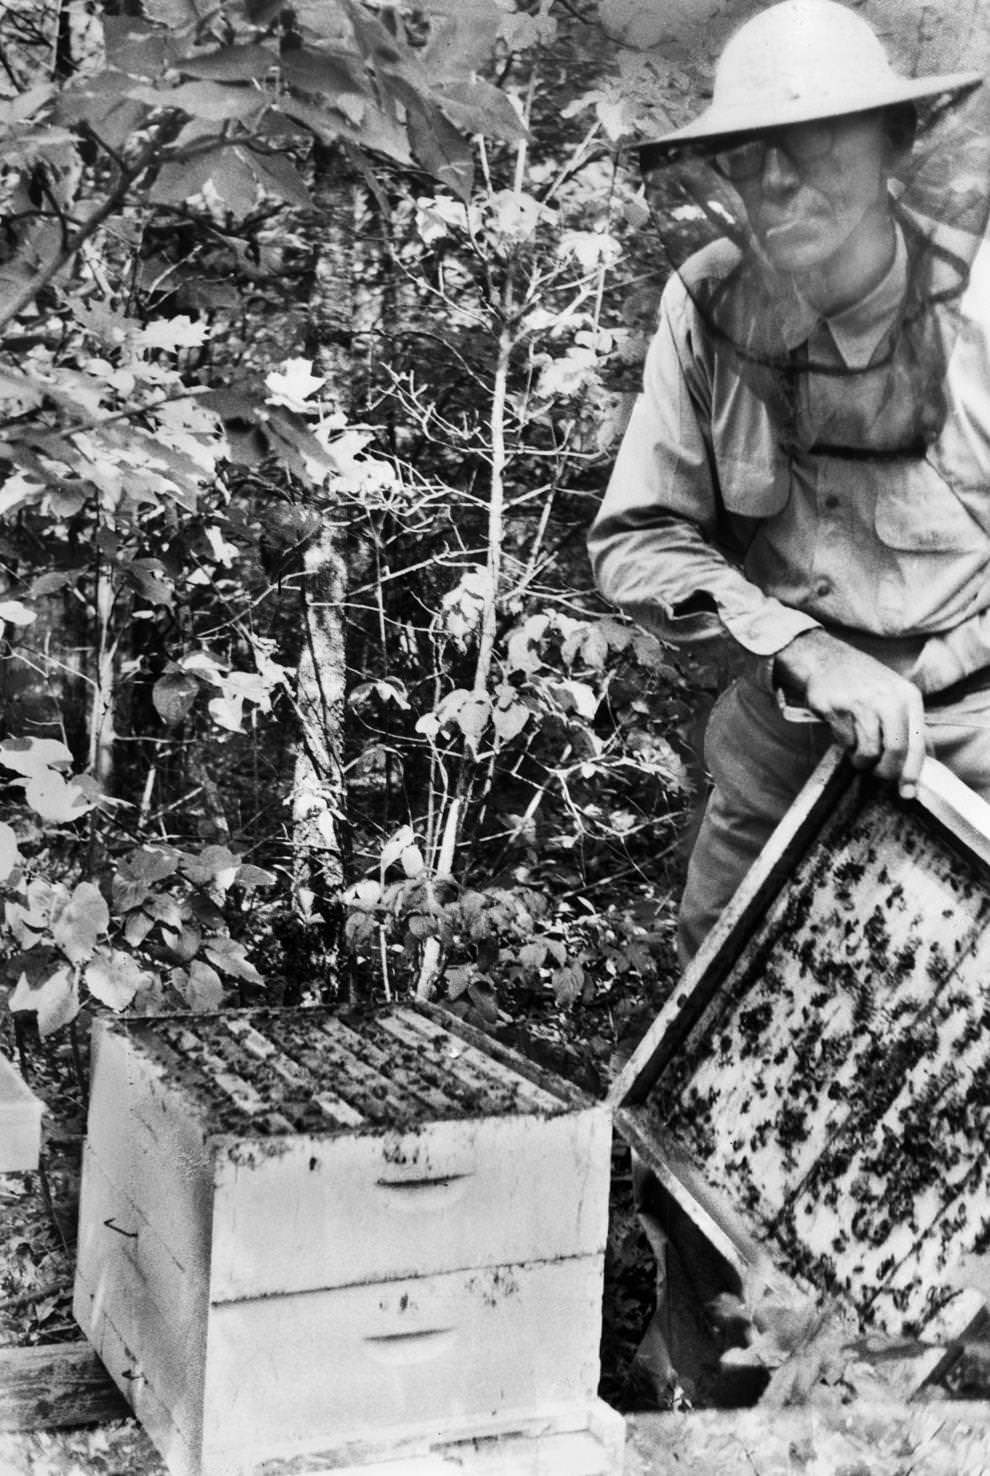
column 711, row 523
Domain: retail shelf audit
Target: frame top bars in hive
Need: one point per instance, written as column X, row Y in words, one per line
column 317, row 1071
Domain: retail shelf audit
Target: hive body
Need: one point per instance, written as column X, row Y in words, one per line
column 309, row 1236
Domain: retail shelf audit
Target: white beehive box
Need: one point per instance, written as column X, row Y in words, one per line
column 20, row 1122
column 815, row 1095
column 348, row 1237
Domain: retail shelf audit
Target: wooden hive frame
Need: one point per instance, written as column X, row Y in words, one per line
column 678, row 1059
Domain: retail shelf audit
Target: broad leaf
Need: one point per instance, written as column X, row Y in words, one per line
column 171, row 333
column 214, row 866
column 51, row 583
column 79, row 921
column 173, row 695
column 250, row 877
column 16, row 613
column 323, row 72
column 56, row 1001
column 184, row 944
column 180, row 181
column 365, row 893
column 479, row 107
column 533, row 955
column 134, row 46
column 55, row 800
column 457, row 978
column 522, row 644
column 227, row 712
column 567, row 983
column 34, row 755
column 462, row 39
column 294, row 385
column 230, row 64
column 145, row 575
column 393, row 848
column 360, row 930
column 201, row 987
column 137, row 927
column 472, row 719
column 440, row 149
column 578, row 696
column 166, row 910
column 127, row 893
column 639, row 24
column 509, row 715
column 152, row 863
column 277, row 176
column 114, row 978
column 210, row 100
column 235, row 182
column 231, row 958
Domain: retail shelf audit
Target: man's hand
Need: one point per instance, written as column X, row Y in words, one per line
column 878, row 715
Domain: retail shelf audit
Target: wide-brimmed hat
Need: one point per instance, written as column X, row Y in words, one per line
column 801, row 60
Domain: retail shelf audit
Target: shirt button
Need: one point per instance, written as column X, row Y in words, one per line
column 831, row 502
column 823, row 588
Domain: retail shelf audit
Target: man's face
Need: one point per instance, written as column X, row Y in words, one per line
column 819, row 191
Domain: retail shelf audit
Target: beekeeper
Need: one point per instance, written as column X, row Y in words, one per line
column 807, row 468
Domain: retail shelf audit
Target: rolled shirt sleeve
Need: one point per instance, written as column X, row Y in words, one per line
column 656, row 544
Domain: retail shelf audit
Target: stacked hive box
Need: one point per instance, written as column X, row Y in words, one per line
column 343, row 1238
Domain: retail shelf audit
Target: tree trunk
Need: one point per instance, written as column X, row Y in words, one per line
column 318, row 788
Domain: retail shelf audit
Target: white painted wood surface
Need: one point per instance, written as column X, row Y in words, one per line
column 466, row 1345
column 460, row 1193
column 597, row 1448
column 129, row 1276
column 20, row 1122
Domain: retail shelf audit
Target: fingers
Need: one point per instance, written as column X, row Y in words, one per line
column 873, row 712
column 891, row 740
column 916, row 750
column 868, row 750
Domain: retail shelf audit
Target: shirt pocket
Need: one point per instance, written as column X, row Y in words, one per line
column 919, row 511
column 753, row 489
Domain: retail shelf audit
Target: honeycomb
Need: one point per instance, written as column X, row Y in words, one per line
column 841, row 1092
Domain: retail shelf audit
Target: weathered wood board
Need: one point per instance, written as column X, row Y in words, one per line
column 818, row 1090
column 299, row 1229
column 53, row 1386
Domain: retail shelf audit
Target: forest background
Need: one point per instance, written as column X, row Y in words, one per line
column 320, row 324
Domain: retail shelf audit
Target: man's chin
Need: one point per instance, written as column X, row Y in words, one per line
column 792, row 248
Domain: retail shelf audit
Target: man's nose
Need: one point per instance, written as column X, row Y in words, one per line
column 779, row 172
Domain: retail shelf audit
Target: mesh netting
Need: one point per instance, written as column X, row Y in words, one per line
column 893, row 404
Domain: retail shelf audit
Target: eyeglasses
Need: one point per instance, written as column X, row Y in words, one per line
column 803, row 143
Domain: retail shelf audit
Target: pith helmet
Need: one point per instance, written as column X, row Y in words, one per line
column 805, row 59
